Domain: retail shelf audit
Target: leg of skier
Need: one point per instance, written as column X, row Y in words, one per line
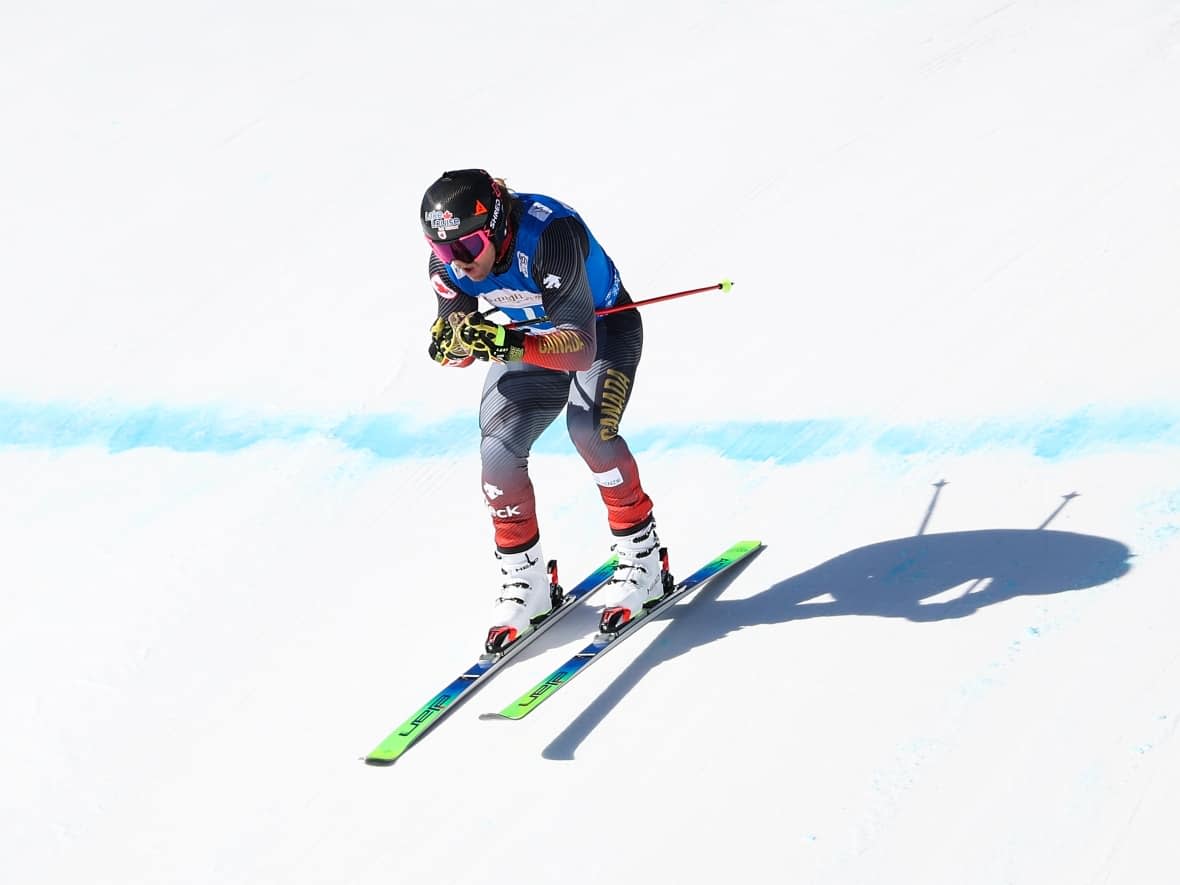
column 597, row 399
column 519, row 402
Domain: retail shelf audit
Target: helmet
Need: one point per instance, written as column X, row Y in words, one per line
column 463, row 202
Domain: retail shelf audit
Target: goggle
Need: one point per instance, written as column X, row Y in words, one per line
column 465, row 249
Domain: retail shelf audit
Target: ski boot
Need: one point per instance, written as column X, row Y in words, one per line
column 529, row 593
column 641, row 578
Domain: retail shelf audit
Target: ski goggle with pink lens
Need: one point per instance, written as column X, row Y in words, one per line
column 465, row 249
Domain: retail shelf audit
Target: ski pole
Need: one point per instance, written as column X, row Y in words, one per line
column 724, row 286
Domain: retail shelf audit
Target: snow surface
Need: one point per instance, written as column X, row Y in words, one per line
column 243, row 535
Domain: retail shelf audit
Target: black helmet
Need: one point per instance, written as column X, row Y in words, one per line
column 462, row 202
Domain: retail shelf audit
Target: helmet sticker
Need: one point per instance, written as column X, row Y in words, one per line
column 442, row 221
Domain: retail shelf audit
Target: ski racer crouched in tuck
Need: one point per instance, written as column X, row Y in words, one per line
column 534, row 259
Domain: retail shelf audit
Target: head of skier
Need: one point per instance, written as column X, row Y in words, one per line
column 465, row 218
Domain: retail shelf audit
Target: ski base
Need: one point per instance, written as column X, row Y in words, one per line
column 431, row 713
column 603, row 642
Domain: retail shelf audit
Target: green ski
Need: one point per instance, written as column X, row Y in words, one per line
column 604, row 642
column 409, row 732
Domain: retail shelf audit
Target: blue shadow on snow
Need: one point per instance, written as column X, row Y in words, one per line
column 891, row 579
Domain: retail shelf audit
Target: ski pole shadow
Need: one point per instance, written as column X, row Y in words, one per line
column 923, row 578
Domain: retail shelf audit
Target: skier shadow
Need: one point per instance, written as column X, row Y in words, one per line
column 921, row 578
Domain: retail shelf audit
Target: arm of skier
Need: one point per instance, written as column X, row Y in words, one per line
column 560, row 271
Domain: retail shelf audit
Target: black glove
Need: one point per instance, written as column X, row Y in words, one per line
column 486, row 340
column 445, row 347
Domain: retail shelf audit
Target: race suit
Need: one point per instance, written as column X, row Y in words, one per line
column 553, row 275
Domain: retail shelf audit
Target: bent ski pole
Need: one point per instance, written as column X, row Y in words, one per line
column 724, row 286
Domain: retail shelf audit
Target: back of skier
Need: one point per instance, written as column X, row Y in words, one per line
column 534, row 259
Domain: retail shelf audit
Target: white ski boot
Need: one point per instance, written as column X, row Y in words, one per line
column 526, row 595
column 640, row 579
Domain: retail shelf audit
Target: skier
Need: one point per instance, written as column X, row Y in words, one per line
column 534, row 259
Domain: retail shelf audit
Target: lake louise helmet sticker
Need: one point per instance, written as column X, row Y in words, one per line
column 442, row 221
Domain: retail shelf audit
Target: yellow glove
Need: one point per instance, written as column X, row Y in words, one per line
column 446, row 348
column 486, row 340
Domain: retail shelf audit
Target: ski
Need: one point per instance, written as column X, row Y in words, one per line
column 604, row 642
column 426, row 717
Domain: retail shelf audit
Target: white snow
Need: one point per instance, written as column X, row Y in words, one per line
column 243, row 535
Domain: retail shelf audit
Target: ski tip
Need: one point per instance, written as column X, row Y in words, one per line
column 494, row 717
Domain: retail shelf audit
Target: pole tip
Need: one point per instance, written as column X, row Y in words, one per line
column 726, row 285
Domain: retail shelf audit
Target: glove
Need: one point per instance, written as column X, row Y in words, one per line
column 445, row 347
column 486, row 340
